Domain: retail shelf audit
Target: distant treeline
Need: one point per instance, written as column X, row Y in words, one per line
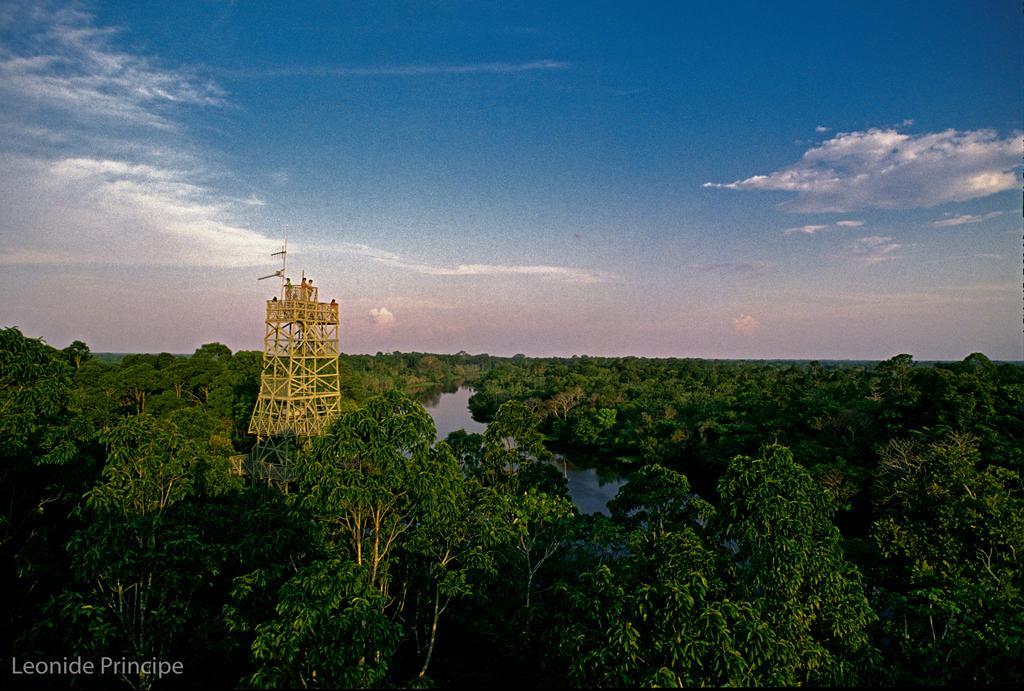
column 784, row 523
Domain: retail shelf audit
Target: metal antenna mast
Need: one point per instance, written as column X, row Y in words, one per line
column 283, row 253
column 299, row 377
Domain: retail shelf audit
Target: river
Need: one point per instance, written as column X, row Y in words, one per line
column 589, row 488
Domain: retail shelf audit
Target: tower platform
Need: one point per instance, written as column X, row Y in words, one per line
column 299, row 379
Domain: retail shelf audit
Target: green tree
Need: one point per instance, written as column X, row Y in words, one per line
column 359, row 479
column 46, row 463
column 77, row 353
column 512, row 441
column 950, row 537
column 658, row 500
column 445, row 553
column 789, row 561
column 136, row 565
column 665, row 613
column 400, row 510
column 328, row 630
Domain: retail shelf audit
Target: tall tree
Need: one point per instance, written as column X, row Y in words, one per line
column 137, row 562
column 789, row 561
column 950, row 536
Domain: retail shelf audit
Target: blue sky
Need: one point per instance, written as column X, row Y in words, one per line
column 670, row 179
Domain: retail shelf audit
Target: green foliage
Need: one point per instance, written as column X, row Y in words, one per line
column 658, row 499
column 512, row 441
column 467, row 448
column 362, row 478
column 529, row 529
column 135, row 578
column 328, row 630
column 788, row 555
column 590, row 428
column 151, row 465
column 46, row 464
column 664, row 613
column 35, row 401
column 674, row 632
column 950, row 541
column 77, row 353
column 756, row 593
column 399, row 508
column 395, row 560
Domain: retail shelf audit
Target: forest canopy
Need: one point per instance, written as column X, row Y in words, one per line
column 783, row 523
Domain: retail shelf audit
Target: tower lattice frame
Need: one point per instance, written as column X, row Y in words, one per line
column 299, row 379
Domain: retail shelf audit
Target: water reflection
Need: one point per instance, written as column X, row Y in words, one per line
column 451, row 411
column 430, row 396
column 590, row 488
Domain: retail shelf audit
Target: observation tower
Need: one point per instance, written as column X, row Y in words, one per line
column 299, row 380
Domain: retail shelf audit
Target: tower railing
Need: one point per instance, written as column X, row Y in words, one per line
column 299, row 379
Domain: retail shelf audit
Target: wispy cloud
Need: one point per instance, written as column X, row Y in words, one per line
column 69, row 64
column 111, row 178
column 820, row 129
column 804, row 230
column 815, row 229
column 541, row 270
column 946, row 259
column 413, row 70
column 874, row 249
column 964, row 219
column 562, row 273
column 130, row 190
column 733, row 267
column 123, row 214
column 887, row 169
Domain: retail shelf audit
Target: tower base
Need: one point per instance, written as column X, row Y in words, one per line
column 269, row 460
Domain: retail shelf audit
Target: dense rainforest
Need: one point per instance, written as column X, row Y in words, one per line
column 783, row 523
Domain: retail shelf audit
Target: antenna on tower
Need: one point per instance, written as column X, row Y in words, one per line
column 283, row 253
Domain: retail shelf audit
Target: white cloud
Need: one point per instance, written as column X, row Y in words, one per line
column 733, row 267
column 814, row 229
column 745, row 324
column 884, row 168
column 561, row 273
column 69, row 64
column 111, row 179
column 821, row 129
column 400, row 70
column 381, row 316
column 964, row 219
column 564, row 273
column 122, row 214
column 804, row 230
column 874, row 249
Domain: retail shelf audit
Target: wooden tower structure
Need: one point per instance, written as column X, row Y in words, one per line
column 299, row 379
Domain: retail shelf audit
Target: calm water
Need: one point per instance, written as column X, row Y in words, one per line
column 589, row 488
column 451, row 412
